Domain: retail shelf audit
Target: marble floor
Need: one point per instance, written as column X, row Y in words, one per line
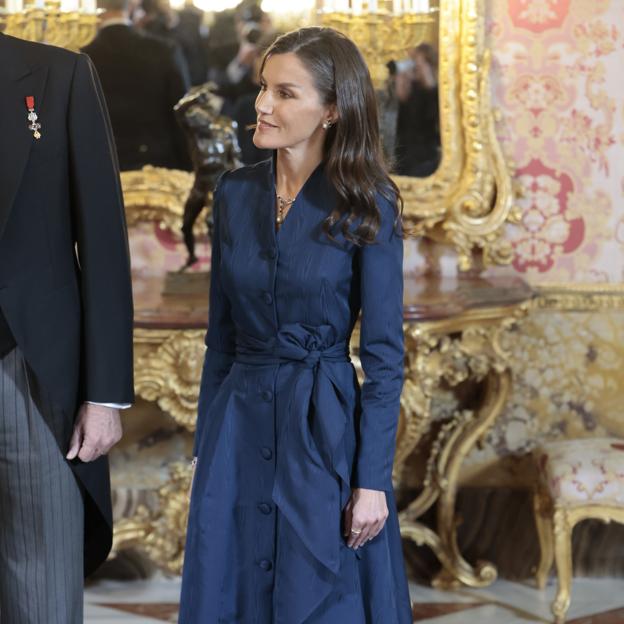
column 594, row 601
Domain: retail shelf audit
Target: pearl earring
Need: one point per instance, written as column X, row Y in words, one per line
column 327, row 125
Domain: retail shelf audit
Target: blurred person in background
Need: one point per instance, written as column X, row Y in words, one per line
column 142, row 79
column 252, row 25
column 244, row 108
column 222, row 44
column 183, row 28
column 417, row 142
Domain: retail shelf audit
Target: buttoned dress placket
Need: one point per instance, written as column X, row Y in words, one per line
column 266, row 546
column 274, row 255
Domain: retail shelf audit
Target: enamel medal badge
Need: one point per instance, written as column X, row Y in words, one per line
column 33, row 126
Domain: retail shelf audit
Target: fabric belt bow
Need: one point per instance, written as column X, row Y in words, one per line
column 312, row 473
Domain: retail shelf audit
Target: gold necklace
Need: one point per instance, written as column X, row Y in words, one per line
column 282, row 203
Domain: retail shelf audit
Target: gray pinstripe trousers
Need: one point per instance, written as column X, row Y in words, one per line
column 41, row 508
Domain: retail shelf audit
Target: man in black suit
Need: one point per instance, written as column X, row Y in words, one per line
column 182, row 27
column 65, row 329
column 143, row 77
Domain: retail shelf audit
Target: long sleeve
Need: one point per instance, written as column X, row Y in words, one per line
column 381, row 353
column 100, row 235
column 221, row 334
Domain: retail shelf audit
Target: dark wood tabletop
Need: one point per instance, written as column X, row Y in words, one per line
column 426, row 298
column 154, row 309
column 431, row 298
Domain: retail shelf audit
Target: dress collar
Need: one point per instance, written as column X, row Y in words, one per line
column 312, row 181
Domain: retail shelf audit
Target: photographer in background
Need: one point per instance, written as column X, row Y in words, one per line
column 244, row 109
column 252, row 24
column 417, row 145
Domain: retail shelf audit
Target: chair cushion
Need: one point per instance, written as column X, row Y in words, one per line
column 583, row 471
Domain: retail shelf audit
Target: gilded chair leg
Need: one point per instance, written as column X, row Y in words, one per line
column 542, row 509
column 461, row 440
column 563, row 562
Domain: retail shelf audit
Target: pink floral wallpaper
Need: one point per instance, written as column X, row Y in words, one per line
column 558, row 80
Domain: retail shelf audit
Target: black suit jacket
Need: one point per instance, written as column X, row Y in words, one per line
column 65, row 285
column 142, row 79
column 187, row 35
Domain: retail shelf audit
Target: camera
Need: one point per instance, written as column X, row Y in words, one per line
column 251, row 33
column 399, row 67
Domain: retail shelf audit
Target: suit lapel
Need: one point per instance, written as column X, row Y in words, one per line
column 17, row 80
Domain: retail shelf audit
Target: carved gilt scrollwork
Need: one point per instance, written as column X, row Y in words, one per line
column 160, row 533
column 168, row 367
column 451, row 351
column 156, row 194
column 580, row 297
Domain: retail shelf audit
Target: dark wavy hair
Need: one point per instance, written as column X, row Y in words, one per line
column 353, row 153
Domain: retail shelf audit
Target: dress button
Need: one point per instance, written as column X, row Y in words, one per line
column 266, row 452
column 267, row 395
column 271, row 253
column 267, row 298
column 265, row 508
column 265, row 564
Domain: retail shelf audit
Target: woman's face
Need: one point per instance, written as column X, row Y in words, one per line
column 289, row 107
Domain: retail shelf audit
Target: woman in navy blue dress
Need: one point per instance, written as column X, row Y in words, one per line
column 292, row 517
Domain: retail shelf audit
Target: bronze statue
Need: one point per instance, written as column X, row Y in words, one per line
column 214, row 149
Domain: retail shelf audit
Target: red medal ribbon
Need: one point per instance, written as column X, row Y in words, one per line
column 34, row 126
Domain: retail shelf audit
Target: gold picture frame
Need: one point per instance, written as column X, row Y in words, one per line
column 469, row 199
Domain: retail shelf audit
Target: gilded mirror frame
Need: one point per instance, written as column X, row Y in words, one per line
column 468, row 200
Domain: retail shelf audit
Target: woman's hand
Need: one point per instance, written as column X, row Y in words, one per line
column 365, row 516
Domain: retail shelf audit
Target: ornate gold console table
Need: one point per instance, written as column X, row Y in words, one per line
column 455, row 332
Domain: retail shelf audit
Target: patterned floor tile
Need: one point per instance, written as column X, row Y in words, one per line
column 427, row 610
column 594, row 601
column 165, row 612
column 616, row 616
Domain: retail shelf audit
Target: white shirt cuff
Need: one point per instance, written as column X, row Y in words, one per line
column 113, row 405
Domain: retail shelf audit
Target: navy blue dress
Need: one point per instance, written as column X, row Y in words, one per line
column 284, row 430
